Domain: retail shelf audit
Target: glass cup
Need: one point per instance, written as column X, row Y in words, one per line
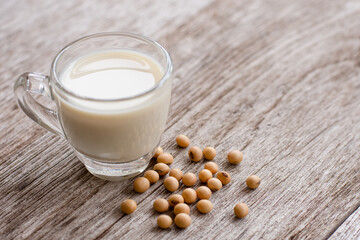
column 115, row 139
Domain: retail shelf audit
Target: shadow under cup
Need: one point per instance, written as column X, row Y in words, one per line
column 114, row 138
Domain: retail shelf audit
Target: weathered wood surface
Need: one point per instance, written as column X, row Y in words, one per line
column 279, row 80
column 350, row 229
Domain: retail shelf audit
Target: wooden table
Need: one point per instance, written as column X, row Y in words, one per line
column 279, row 80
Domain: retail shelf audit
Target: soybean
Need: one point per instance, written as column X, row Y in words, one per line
column 175, row 199
column 209, row 153
column 161, row 168
column 141, row 184
column 205, row 175
column 189, row 195
column 164, row 221
column 203, row 192
column 224, row 177
column 181, row 208
column 183, row 141
column 166, row 158
column 204, row 206
column 212, row 167
column 152, row 176
column 171, row 184
column 214, row 184
column 128, row 206
column 235, row 157
column 189, row 179
column 195, row 154
column 253, row 181
column 241, row 210
column 158, row 151
column 176, row 173
column 182, row 220
column 161, row 205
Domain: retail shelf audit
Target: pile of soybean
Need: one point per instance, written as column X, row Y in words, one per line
column 178, row 202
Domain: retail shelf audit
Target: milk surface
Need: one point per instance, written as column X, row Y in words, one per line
column 112, row 75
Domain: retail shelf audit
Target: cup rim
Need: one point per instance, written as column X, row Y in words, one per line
column 165, row 77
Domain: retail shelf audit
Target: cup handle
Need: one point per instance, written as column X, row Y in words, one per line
column 39, row 84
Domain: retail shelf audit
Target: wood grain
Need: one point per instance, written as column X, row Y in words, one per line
column 350, row 228
column 278, row 80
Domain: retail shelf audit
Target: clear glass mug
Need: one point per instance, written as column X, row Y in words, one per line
column 115, row 139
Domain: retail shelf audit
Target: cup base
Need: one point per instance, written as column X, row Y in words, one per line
column 115, row 171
